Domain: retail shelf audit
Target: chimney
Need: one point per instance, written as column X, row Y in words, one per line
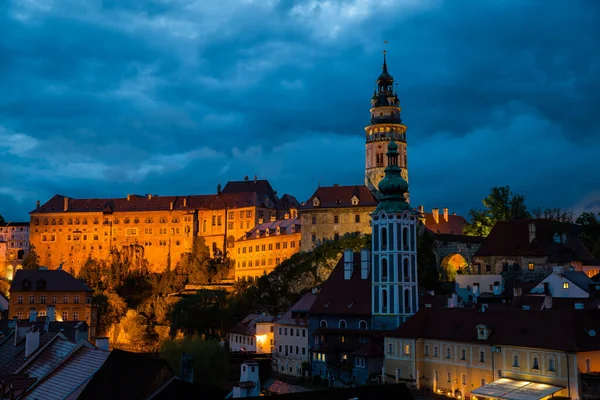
column 65, row 203
column 187, row 368
column 149, row 196
column 531, row 231
column 37, row 203
column 32, row 341
column 32, row 315
column 50, row 313
column 421, row 209
column 476, row 289
column 255, row 179
column 128, row 197
column 219, row 189
column 171, row 206
column 547, row 302
column 102, row 343
column 445, row 209
column 436, row 215
column 246, row 178
column 365, row 263
column 185, row 202
column 348, row 263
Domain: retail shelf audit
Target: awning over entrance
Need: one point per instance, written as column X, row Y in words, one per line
column 511, row 389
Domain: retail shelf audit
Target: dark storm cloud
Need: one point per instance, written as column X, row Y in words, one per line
column 105, row 98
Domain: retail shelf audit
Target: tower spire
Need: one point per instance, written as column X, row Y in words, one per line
column 384, row 62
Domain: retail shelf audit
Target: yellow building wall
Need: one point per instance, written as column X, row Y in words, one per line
column 470, row 373
column 332, row 221
column 267, row 252
column 84, row 310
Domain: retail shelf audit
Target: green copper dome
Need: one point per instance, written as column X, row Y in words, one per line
column 393, row 187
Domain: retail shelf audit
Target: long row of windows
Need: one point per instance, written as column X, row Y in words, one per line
column 257, row 248
column 342, row 324
column 106, row 221
column 289, row 350
column 261, row 262
column 283, row 331
column 336, row 219
column 231, row 214
column 65, row 315
column 243, row 339
column 42, row 299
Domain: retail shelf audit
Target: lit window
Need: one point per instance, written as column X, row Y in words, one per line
column 530, row 266
column 407, row 349
column 565, row 285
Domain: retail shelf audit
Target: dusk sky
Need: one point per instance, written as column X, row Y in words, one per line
column 105, row 98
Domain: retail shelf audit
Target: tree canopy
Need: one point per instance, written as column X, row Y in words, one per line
column 500, row 205
column 2, row 221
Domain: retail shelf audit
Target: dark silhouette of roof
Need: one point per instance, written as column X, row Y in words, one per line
column 53, row 280
column 453, row 226
column 126, row 375
column 260, row 186
column 511, row 238
column 247, row 326
column 566, row 330
column 341, row 197
column 178, row 389
column 293, row 316
column 339, row 296
column 375, row 392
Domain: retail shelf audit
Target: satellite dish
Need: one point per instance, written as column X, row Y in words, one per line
column 592, row 332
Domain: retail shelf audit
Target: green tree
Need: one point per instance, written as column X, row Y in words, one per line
column 500, row 205
column 210, row 360
column 590, row 235
column 426, row 262
column 588, row 219
column 2, row 221
column 32, row 259
column 204, row 313
column 555, row 214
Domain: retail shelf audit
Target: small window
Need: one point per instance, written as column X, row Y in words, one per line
column 357, row 218
column 449, row 376
column 323, row 324
column 426, row 350
column 516, row 360
column 464, row 379
column 530, row 266
column 436, row 351
column 536, row 362
column 551, row 364
column 588, row 365
column 336, row 219
column 448, row 352
column 565, row 285
column 481, row 356
column 314, row 219
column 463, row 354
column 342, row 324
column 407, row 349
column 362, row 325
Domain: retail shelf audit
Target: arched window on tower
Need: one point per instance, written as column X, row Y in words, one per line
column 405, row 270
column 405, row 238
column 383, row 239
column 384, row 301
column 384, row 270
column 379, row 159
column 407, row 307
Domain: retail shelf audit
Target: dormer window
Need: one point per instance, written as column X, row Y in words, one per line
column 316, row 202
column 483, row 332
column 354, row 200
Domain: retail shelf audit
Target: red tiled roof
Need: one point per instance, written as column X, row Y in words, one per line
column 247, row 326
column 155, row 203
column 284, row 225
column 566, row 330
column 453, row 226
column 344, row 297
column 341, row 196
column 55, row 280
column 511, row 238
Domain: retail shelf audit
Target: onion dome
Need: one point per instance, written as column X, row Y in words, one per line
column 393, row 187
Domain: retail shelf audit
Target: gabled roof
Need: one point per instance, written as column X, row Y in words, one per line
column 511, row 238
column 566, row 330
column 341, row 197
column 286, row 227
column 12, row 357
column 71, row 375
column 344, row 297
column 302, row 305
column 286, row 202
column 55, row 280
column 126, row 375
column 247, row 326
column 48, row 357
column 262, row 187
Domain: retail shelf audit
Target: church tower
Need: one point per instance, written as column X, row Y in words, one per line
column 394, row 250
column 386, row 125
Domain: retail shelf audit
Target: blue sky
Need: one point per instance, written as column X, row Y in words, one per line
column 100, row 98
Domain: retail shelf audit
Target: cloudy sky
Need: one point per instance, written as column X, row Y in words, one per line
column 108, row 97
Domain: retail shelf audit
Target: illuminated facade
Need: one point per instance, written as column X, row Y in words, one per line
column 158, row 229
column 386, row 125
column 267, row 245
column 52, row 293
column 460, row 351
column 14, row 246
